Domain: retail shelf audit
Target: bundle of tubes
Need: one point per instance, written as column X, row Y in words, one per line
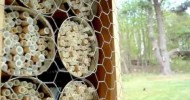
column 24, row 47
column 75, row 42
column 42, row 6
column 77, row 90
column 23, row 90
column 82, row 8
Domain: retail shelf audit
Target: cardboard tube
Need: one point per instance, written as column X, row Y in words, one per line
column 22, row 36
column 13, row 96
column 41, row 95
column 29, row 28
column 20, row 89
column 23, row 43
column 16, row 57
column 32, row 48
column 14, row 30
column 3, row 98
column 11, row 64
column 26, row 97
column 7, row 42
column 24, row 15
column 19, row 29
column 24, row 83
column 31, row 92
column 41, row 41
column 26, row 49
column 36, row 28
column 16, row 82
column 30, row 85
column 11, row 24
column 6, row 34
column 28, row 56
column 42, row 57
column 27, row 21
column 18, row 63
column 17, row 72
column 20, row 96
column 15, row 38
column 18, row 22
column 19, row 50
column 4, row 67
column 44, row 31
column 85, row 42
column 5, row 92
column 35, row 58
column 34, row 86
column 41, row 47
column 8, row 85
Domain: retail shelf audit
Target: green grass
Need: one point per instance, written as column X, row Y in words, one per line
column 156, row 87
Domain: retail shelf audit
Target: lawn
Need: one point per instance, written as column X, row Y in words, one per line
column 156, row 87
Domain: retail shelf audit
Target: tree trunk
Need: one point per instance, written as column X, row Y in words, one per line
column 161, row 52
column 162, row 40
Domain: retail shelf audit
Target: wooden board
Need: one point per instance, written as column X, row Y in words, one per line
column 1, row 27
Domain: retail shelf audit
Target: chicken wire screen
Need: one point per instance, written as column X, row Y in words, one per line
column 58, row 50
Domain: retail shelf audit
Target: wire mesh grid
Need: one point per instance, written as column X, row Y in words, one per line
column 54, row 79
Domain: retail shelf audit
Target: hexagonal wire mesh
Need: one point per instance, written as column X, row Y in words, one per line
column 73, row 58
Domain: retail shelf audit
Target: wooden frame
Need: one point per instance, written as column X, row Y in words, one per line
column 1, row 27
column 112, row 85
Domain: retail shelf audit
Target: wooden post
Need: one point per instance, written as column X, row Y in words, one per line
column 117, row 51
column 1, row 27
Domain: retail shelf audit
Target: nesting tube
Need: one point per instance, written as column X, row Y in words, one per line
column 75, row 44
column 83, row 9
column 21, row 36
column 24, row 15
column 3, row 98
column 29, row 28
column 79, row 89
column 16, row 83
column 27, row 21
column 44, row 6
column 44, row 31
column 20, row 90
column 13, row 96
column 5, row 92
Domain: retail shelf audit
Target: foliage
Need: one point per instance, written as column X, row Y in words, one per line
column 134, row 34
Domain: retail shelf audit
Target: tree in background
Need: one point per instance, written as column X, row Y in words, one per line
column 162, row 54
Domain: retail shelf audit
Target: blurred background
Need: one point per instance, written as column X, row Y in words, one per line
column 155, row 49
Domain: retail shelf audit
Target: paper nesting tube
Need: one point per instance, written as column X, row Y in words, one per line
column 29, row 28
column 80, row 89
column 13, row 97
column 43, row 6
column 16, row 83
column 27, row 21
column 3, row 98
column 20, row 90
column 23, row 44
column 5, row 92
column 44, row 31
column 20, row 96
column 76, row 45
column 26, row 90
column 8, row 84
column 82, row 9
column 24, row 15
